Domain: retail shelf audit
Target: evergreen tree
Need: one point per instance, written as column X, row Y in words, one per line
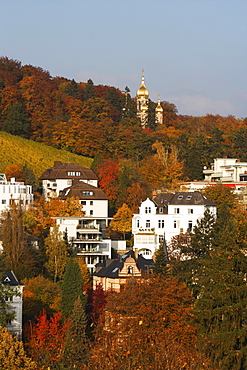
column 72, row 89
column 17, row 122
column 72, row 287
column 89, row 90
column 75, row 351
column 161, row 260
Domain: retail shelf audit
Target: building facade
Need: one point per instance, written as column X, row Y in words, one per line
column 113, row 274
column 226, row 170
column 14, row 192
column 62, row 175
column 15, row 303
column 166, row 216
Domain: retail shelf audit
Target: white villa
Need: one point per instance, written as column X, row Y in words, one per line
column 166, row 216
column 14, row 192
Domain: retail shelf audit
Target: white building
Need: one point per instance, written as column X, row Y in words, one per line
column 14, row 192
column 226, row 170
column 61, row 175
column 166, row 216
column 88, row 239
column 15, row 303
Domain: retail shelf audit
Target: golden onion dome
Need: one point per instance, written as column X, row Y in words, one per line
column 159, row 107
column 142, row 91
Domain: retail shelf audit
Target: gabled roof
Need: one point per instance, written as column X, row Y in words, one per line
column 82, row 190
column 61, row 171
column 182, row 198
column 111, row 268
column 9, row 278
column 191, row 198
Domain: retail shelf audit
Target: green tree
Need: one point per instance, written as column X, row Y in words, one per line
column 161, row 260
column 57, row 252
column 76, row 342
column 17, row 122
column 89, row 90
column 72, row 287
column 12, row 353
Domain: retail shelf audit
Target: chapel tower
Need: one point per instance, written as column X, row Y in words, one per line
column 142, row 99
column 159, row 113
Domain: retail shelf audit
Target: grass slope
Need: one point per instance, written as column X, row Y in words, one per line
column 37, row 156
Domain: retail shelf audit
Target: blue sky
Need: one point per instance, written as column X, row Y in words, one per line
column 194, row 52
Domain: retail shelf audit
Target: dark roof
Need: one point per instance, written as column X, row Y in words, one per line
column 79, row 189
column 182, row 198
column 60, row 171
column 111, row 268
column 9, row 278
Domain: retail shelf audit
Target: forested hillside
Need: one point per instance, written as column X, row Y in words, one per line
column 100, row 122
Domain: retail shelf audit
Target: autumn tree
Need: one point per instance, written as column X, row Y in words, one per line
column 122, row 220
column 12, row 353
column 14, row 171
column 146, row 325
column 16, row 249
column 39, row 293
column 46, row 340
column 57, row 252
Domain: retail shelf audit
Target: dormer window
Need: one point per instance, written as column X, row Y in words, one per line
column 188, row 197
column 180, row 197
column 87, row 193
column 147, row 209
column 161, row 210
column 130, row 270
column 74, row 173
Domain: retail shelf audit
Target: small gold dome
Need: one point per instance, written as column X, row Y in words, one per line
column 158, row 107
column 142, row 91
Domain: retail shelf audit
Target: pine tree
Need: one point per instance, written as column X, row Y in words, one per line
column 89, row 90
column 76, row 343
column 72, row 287
column 161, row 260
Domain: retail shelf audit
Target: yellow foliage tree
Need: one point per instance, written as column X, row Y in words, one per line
column 12, row 354
column 122, row 220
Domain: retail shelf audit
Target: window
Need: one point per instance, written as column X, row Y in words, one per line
column 73, row 173
column 54, row 184
column 91, row 212
column 161, row 224
column 137, row 223
column 190, row 210
column 83, row 202
column 3, row 201
column 175, row 224
column 147, row 223
column 91, row 202
column 130, row 270
column 188, row 197
column 87, row 193
column 180, row 197
column 69, row 182
column 190, row 225
column 176, row 210
column 147, row 209
column 161, row 210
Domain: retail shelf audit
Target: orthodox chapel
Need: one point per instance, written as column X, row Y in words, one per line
column 142, row 100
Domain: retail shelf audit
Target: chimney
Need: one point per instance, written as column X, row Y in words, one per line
column 57, row 164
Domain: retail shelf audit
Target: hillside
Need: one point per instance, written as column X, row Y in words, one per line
column 37, row 156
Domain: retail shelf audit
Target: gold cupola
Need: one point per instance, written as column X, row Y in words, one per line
column 142, row 91
column 158, row 106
